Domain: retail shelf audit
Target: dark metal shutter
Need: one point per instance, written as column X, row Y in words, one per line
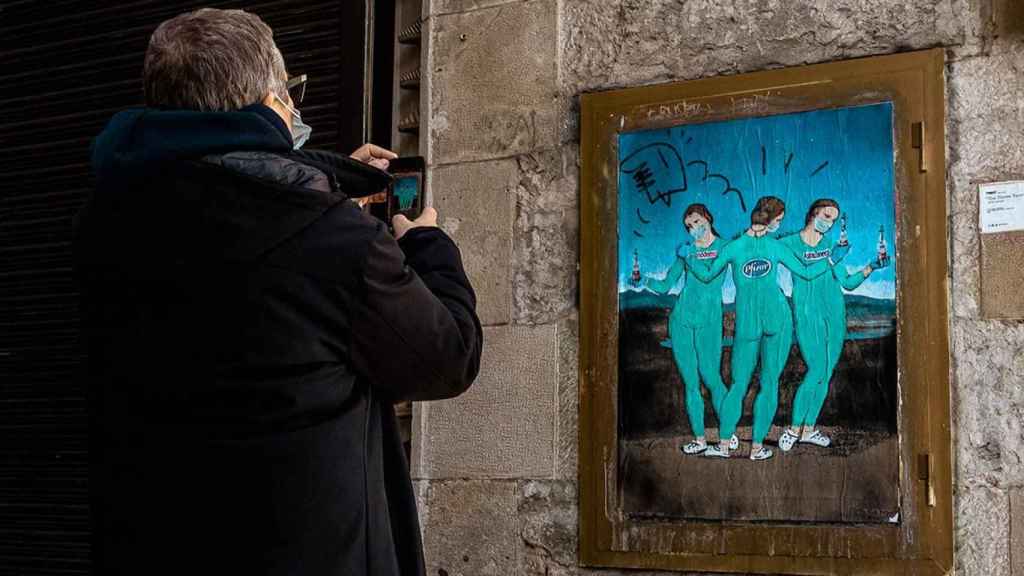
column 65, row 68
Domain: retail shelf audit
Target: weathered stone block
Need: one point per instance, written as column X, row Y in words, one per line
column 475, row 206
column 568, row 398
column 504, row 426
column 1017, row 532
column 546, row 236
column 470, row 528
column 965, row 255
column 612, row 44
column 986, row 115
column 989, row 402
column 450, row 6
column 982, row 531
column 493, row 88
column 547, row 526
column 976, row 18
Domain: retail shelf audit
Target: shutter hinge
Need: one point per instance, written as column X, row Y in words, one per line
column 925, row 472
column 917, row 141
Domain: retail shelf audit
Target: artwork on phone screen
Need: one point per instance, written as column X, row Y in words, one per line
column 758, row 317
column 406, row 191
column 406, row 198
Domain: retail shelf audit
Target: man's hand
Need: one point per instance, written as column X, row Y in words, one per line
column 374, row 155
column 378, row 197
column 402, row 224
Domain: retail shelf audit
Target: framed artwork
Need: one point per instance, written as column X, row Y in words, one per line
column 764, row 339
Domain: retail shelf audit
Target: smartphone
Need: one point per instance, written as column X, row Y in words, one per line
column 404, row 193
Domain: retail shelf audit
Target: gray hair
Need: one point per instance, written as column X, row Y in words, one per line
column 212, row 60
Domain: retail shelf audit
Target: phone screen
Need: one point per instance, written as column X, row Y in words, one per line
column 407, row 196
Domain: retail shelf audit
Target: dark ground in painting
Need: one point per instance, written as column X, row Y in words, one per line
column 854, row 480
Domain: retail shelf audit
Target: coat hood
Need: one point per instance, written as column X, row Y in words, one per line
column 137, row 139
column 190, row 180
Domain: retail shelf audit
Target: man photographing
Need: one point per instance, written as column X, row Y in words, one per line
column 249, row 328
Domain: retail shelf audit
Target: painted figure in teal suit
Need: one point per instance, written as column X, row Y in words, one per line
column 695, row 324
column 764, row 322
column 819, row 312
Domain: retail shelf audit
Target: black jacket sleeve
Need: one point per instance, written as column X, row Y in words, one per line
column 416, row 335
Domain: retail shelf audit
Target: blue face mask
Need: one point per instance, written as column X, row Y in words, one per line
column 300, row 130
column 698, row 232
column 773, row 227
column 822, row 226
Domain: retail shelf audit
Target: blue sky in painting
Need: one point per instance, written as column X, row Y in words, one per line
column 845, row 154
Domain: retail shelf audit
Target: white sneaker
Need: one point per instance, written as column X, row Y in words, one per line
column 761, row 453
column 715, row 451
column 734, row 442
column 816, row 438
column 787, row 440
column 694, row 447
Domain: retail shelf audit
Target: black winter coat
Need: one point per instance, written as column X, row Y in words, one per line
column 248, row 330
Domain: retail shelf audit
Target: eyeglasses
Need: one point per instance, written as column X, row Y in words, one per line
column 297, row 88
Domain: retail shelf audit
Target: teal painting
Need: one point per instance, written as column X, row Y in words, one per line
column 757, row 292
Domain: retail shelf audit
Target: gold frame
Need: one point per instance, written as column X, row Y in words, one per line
column 922, row 542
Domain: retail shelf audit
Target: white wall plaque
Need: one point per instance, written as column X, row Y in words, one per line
column 1001, row 207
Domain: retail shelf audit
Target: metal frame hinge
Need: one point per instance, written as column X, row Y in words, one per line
column 926, row 473
column 917, row 141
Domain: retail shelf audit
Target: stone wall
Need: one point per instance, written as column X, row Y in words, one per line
column 496, row 468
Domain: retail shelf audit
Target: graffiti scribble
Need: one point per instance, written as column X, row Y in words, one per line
column 644, row 178
column 701, row 163
column 659, row 172
column 664, row 163
column 662, row 182
column 729, row 188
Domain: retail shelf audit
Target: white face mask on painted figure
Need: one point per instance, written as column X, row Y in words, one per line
column 822, row 225
column 300, row 130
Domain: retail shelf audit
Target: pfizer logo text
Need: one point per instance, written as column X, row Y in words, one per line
column 757, row 268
